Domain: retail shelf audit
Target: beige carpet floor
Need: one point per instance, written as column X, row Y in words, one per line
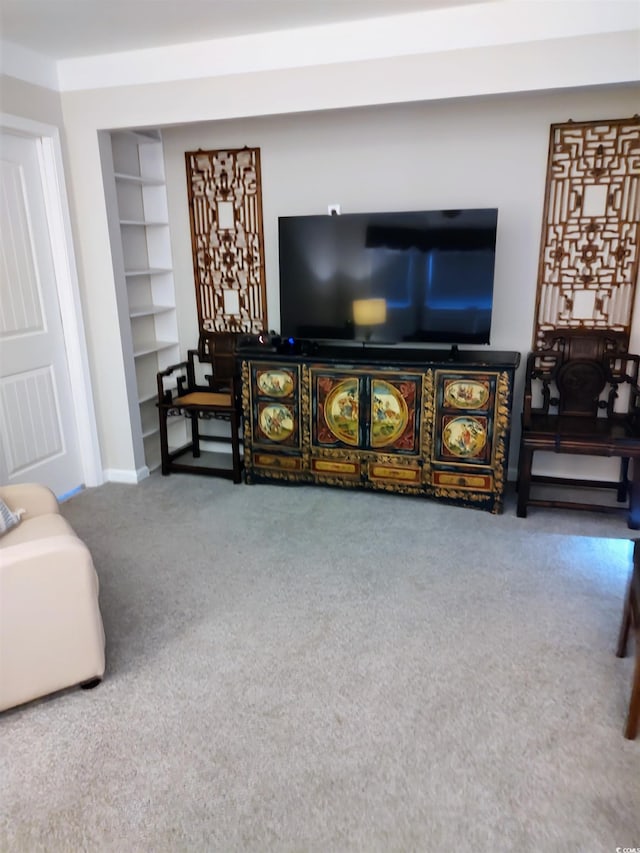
column 308, row 669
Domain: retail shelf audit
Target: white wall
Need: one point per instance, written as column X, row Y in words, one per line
column 28, row 101
column 473, row 152
column 333, row 115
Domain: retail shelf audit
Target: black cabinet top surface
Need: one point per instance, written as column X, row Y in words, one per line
column 381, row 356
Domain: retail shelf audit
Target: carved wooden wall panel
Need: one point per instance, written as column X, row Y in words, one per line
column 589, row 249
column 225, row 209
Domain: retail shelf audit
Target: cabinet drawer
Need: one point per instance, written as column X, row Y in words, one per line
column 459, row 480
column 275, row 461
column 345, row 468
column 381, row 472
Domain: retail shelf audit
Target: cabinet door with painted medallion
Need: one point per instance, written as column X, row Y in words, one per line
column 276, row 409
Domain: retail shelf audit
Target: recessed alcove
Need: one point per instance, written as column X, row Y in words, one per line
column 412, row 156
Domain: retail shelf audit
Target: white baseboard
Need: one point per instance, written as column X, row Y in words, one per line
column 125, row 475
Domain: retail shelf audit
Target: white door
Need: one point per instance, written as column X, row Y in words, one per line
column 38, row 434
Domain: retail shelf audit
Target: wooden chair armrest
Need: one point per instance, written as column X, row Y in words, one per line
column 633, row 409
column 164, row 396
column 173, row 367
column 634, row 398
column 528, row 388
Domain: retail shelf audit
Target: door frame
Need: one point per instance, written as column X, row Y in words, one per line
column 68, row 288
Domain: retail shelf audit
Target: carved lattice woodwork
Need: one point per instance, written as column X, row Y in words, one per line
column 225, row 209
column 589, row 249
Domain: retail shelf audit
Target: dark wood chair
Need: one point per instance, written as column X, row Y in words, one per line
column 188, row 389
column 581, row 397
column 631, row 619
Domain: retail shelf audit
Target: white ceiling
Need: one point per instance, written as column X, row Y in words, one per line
column 62, row 29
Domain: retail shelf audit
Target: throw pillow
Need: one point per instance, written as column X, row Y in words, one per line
column 8, row 518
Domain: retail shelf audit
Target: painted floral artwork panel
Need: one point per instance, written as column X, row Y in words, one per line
column 466, row 394
column 275, row 383
column 389, row 414
column 276, row 422
column 341, row 411
column 464, row 437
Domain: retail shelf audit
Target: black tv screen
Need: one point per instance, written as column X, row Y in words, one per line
column 416, row 276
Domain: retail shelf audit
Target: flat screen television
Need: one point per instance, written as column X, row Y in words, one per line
column 414, row 277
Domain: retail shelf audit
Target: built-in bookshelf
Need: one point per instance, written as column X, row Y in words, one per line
column 133, row 168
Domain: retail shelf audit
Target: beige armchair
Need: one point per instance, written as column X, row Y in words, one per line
column 51, row 632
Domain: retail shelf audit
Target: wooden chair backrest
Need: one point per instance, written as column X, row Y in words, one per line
column 579, row 375
column 219, row 350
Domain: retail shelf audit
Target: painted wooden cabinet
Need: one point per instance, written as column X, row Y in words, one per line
column 410, row 421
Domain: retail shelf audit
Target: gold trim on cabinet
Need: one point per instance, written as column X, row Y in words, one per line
column 500, row 433
column 428, row 422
